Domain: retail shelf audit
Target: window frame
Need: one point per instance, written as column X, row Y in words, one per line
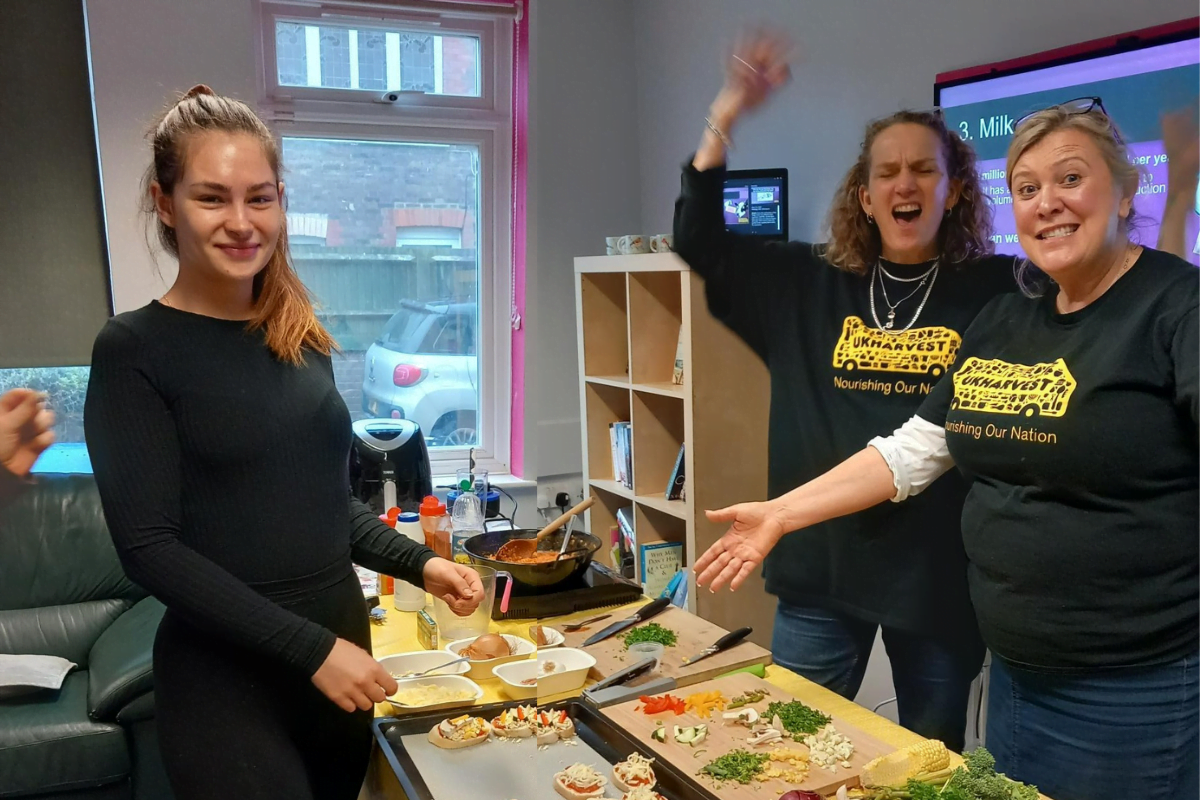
column 493, row 95
column 485, row 122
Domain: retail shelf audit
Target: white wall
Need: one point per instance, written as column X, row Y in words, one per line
column 584, row 185
column 143, row 53
column 857, row 59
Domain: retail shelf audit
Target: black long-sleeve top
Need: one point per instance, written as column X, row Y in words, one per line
column 836, row 382
column 223, row 471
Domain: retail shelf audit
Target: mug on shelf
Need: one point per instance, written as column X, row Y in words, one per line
column 632, row 244
column 612, row 245
column 662, row 243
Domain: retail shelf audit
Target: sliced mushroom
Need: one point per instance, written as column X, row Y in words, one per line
column 762, row 737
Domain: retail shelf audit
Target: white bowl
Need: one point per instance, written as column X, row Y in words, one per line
column 482, row 670
column 554, row 637
column 420, row 660
column 512, row 674
column 571, row 674
column 457, row 682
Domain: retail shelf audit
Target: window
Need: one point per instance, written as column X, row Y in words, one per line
column 375, row 58
column 399, row 212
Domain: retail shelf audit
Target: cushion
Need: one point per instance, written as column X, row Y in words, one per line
column 29, row 673
column 48, row 743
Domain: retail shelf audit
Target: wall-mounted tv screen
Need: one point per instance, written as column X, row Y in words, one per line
column 1138, row 77
column 756, row 203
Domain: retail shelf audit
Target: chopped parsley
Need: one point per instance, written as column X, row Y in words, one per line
column 652, row 632
column 796, row 717
column 739, row 765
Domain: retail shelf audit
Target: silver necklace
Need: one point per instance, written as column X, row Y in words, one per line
column 887, row 327
column 908, row 280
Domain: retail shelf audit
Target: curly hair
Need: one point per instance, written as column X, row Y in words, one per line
column 854, row 243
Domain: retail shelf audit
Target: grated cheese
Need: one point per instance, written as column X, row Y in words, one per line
column 636, row 770
column 429, row 694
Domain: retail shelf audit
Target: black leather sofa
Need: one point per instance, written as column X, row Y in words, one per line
column 63, row 593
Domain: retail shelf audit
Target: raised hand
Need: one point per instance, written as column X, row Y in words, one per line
column 757, row 67
column 754, row 530
column 25, row 429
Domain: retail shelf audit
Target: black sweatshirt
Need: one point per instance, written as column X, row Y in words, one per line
column 1078, row 433
column 222, row 469
column 836, row 382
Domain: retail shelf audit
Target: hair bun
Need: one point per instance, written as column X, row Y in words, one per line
column 198, row 89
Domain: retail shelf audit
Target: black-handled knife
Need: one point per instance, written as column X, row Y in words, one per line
column 644, row 613
column 724, row 643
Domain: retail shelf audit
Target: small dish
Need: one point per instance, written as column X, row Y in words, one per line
column 645, row 650
column 417, row 661
column 554, row 637
column 513, row 673
column 482, row 670
column 450, row 682
column 570, row 668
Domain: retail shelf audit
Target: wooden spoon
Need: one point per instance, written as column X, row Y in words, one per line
column 524, row 548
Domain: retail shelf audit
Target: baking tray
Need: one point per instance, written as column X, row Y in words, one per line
column 502, row 770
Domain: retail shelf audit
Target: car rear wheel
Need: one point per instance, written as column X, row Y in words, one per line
column 455, row 429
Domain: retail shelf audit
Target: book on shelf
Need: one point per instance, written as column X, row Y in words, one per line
column 677, row 372
column 659, row 562
column 626, row 544
column 675, row 484
column 621, row 439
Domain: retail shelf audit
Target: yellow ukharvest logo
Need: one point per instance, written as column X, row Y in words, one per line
column 998, row 387
column 920, row 351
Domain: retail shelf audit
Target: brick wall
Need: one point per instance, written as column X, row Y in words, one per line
column 358, row 185
column 348, row 375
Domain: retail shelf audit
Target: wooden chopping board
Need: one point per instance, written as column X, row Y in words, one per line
column 693, row 633
column 725, row 738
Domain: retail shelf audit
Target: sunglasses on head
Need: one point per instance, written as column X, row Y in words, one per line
column 1080, row 105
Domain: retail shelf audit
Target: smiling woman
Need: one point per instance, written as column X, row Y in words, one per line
column 199, row 406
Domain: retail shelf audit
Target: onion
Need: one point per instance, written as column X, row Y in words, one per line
column 488, row 646
column 796, row 794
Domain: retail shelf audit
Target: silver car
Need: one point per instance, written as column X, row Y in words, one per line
column 424, row 367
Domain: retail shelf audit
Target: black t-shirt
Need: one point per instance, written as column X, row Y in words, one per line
column 223, row 471
column 1078, row 433
column 836, row 382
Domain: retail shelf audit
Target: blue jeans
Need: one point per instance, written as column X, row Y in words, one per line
column 1120, row 733
column 932, row 677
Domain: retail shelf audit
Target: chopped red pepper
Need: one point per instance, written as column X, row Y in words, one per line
column 662, row 704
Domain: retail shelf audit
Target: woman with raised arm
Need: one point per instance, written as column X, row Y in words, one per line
column 855, row 333
column 1073, row 416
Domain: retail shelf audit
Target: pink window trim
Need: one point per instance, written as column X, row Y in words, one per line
column 520, row 111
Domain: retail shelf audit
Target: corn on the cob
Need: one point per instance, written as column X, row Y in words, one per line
column 896, row 768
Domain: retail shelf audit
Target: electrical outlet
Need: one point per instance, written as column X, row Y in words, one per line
column 548, row 490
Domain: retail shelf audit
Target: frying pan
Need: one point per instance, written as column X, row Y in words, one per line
column 481, row 549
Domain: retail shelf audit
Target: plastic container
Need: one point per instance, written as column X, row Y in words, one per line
column 644, row 650
column 466, row 521
column 564, row 669
column 409, row 597
column 436, row 526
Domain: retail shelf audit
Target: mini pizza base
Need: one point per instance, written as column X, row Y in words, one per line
column 512, row 733
column 570, row 794
column 625, row 787
column 438, row 740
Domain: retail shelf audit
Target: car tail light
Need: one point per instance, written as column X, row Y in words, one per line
column 407, row 375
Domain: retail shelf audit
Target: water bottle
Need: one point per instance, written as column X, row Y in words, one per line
column 466, row 520
column 409, row 597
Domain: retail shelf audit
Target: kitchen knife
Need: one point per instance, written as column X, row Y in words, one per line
column 724, row 643
column 644, row 613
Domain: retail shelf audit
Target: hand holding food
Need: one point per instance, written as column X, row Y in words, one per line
column 350, row 677
column 754, row 530
column 457, row 584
